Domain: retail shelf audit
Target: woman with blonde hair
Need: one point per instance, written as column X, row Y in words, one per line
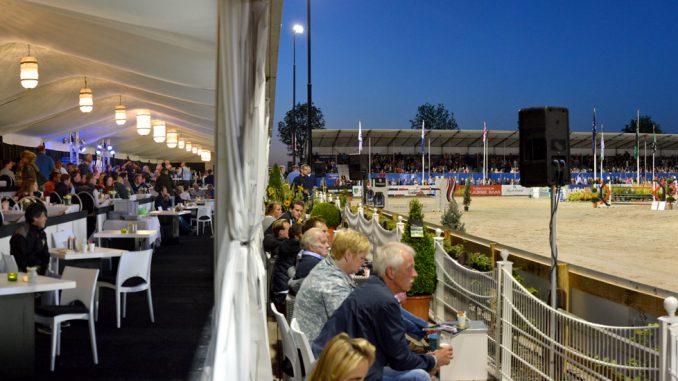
column 344, row 359
column 29, row 171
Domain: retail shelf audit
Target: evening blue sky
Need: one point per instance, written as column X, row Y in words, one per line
column 376, row 61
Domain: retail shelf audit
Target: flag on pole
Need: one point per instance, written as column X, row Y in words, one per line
column 422, row 137
column 636, row 148
column 654, row 140
column 484, row 132
column 602, row 144
column 593, row 133
column 360, row 137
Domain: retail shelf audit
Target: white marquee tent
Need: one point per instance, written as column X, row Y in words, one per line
column 205, row 67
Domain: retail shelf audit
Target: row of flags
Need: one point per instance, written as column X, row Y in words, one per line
column 636, row 148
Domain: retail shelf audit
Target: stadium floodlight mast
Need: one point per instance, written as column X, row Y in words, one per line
column 297, row 29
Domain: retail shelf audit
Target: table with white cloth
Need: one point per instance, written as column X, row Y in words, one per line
column 143, row 223
column 17, row 322
column 72, row 255
column 169, row 221
column 148, row 237
column 12, row 216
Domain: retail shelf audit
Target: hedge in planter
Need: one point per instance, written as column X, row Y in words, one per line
column 329, row 212
column 424, row 259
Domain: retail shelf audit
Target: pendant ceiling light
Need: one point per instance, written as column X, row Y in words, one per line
column 86, row 100
column 189, row 146
column 181, row 144
column 195, row 150
column 143, row 122
column 172, row 139
column 120, row 114
column 29, row 71
column 206, row 155
column 159, row 131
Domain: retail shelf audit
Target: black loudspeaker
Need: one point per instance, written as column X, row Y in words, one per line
column 357, row 167
column 380, row 182
column 319, row 169
column 544, row 146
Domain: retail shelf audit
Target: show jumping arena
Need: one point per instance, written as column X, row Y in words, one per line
column 628, row 241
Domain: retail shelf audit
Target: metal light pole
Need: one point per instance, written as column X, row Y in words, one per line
column 298, row 29
column 309, row 156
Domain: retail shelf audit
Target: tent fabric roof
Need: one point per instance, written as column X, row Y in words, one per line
column 348, row 139
column 158, row 54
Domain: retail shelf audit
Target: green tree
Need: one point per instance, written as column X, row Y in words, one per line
column 646, row 124
column 435, row 118
column 298, row 115
column 424, row 259
column 451, row 219
column 467, row 195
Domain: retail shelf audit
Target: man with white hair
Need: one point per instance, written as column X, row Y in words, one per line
column 373, row 313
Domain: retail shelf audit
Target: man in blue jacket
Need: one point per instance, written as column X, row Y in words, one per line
column 373, row 313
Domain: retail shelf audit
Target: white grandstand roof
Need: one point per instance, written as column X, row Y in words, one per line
column 346, row 140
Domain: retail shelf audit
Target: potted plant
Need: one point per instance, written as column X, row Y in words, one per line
column 669, row 201
column 467, row 195
column 451, row 219
column 419, row 296
column 594, row 197
column 67, row 199
column 330, row 213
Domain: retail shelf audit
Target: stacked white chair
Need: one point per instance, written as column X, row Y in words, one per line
column 289, row 347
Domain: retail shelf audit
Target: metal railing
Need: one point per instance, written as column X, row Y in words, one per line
column 528, row 340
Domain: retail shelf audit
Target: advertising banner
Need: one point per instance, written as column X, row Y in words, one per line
column 515, row 190
column 480, row 190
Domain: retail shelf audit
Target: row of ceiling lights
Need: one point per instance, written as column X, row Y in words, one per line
column 29, row 80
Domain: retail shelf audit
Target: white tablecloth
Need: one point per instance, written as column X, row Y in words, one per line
column 146, row 223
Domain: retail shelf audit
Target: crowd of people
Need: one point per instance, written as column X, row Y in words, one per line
column 357, row 332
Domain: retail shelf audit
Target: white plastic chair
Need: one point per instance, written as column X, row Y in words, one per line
column 289, row 347
column 53, row 316
column 134, row 275
column 303, row 346
column 8, row 264
column 203, row 217
column 60, row 239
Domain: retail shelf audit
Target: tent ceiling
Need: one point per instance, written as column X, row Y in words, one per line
column 342, row 140
column 158, row 54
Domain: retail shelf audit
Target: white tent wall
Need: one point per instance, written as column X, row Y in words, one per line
column 239, row 347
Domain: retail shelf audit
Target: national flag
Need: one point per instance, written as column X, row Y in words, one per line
column 484, row 132
column 422, row 137
column 360, row 137
column 593, row 133
column 602, row 144
column 636, row 148
column 654, row 140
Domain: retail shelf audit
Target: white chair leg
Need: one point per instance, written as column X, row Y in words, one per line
column 54, row 346
column 93, row 339
column 124, row 304
column 96, row 303
column 150, row 304
column 117, row 307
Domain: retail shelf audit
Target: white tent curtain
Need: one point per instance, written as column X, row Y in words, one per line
column 239, row 347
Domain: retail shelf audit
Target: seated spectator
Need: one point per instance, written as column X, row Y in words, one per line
column 314, row 222
column 329, row 283
column 139, row 184
column 343, row 359
column 296, row 212
column 196, row 191
column 28, row 244
column 28, row 188
column 373, row 313
column 181, row 195
column 119, row 186
column 288, row 251
column 315, row 248
column 7, row 172
column 64, row 186
column 163, row 200
column 209, row 192
column 273, row 212
column 273, row 240
column 51, row 184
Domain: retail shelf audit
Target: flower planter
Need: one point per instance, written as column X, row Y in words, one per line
column 418, row 305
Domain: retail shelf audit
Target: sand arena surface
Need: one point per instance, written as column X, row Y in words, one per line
column 628, row 241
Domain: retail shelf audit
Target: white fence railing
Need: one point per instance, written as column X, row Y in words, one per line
column 527, row 339
column 376, row 234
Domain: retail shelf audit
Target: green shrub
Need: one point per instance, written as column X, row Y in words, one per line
column 329, row 212
column 451, row 219
column 453, row 250
column 387, row 223
column 481, row 262
column 424, row 260
column 467, row 194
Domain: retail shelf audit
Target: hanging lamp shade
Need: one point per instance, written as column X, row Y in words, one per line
column 143, row 122
column 181, row 144
column 120, row 115
column 172, row 139
column 159, row 130
column 189, row 146
column 195, row 150
column 29, row 72
column 86, row 99
column 206, row 155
